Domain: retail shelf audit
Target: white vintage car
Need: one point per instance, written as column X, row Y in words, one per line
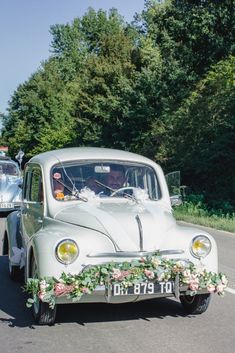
column 96, row 225
column 10, row 185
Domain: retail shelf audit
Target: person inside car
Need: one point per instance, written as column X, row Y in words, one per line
column 116, row 177
column 114, row 180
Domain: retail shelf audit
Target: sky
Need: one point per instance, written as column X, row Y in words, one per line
column 25, row 38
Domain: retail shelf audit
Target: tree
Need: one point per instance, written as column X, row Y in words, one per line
column 197, row 33
column 148, row 87
column 40, row 102
column 191, row 37
column 202, row 139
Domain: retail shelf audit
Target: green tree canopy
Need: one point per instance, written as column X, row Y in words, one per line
column 162, row 86
column 202, row 141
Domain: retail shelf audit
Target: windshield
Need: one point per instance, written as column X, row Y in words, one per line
column 104, row 179
column 9, row 169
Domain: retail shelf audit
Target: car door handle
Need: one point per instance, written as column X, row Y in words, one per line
column 39, row 220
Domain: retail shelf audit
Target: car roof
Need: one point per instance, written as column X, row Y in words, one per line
column 8, row 160
column 86, row 153
column 5, row 158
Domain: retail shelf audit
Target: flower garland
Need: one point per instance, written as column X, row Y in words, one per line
column 150, row 269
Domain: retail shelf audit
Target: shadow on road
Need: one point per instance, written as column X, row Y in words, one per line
column 14, row 312
column 146, row 310
column 12, row 299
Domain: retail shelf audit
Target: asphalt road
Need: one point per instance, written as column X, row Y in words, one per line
column 148, row 327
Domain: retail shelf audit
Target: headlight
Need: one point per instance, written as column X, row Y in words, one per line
column 201, row 246
column 67, row 251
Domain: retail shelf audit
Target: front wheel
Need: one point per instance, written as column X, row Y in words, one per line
column 16, row 273
column 42, row 313
column 196, row 304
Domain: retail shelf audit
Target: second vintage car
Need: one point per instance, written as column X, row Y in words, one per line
column 10, row 184
column 96, row 225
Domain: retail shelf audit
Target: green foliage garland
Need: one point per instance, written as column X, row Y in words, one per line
column 152, row 268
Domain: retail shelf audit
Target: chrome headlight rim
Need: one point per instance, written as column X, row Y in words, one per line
column 208, row 246
column 60, row 243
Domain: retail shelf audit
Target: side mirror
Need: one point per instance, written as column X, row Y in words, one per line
column 173, row 183
column 19, row 157
column 20, row 183
column 176, row 200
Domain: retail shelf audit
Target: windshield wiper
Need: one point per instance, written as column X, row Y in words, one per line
column 105, row 186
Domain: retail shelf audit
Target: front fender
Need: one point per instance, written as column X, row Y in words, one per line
column 180, row 237
column 13, row 232
column 43, row 247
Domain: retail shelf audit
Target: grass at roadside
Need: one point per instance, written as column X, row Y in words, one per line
column 222, row 223
column 194, row 210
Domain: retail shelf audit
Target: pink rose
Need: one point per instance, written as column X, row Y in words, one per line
column 62, row 289
column 117, row 274
column 41, row 295
column 194, row 284
column 125, row 273
column 211, row 288
column 59, row 289
column 220, row 288
column 149, row 274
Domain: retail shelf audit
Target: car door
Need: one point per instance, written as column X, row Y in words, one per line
column 33, row 203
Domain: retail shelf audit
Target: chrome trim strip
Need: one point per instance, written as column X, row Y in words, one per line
column 135, row 253
column 140, row 231
column 171, row 252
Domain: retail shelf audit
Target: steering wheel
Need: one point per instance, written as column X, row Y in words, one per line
column 125, row 188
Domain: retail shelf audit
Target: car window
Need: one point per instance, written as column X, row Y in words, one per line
column 26, row 183
column 9, row 169
column 36, row 186
column 104, row 179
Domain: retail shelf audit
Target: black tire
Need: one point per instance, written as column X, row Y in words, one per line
column 16, row 273
column 196, row 304
column 42, row 313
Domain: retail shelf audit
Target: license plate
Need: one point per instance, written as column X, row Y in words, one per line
column 6, row 205
column 143, row 288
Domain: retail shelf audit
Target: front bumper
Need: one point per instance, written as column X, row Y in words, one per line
column 9, row 206
column 102, row 294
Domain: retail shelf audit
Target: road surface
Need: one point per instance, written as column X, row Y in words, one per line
column 148, row 327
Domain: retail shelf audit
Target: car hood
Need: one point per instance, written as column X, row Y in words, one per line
column 9, row 188
column 127, row 224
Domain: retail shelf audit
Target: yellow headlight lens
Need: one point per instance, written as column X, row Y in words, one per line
column 201, row 246
column 67, row 251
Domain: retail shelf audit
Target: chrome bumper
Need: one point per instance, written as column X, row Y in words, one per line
column 102, row 294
